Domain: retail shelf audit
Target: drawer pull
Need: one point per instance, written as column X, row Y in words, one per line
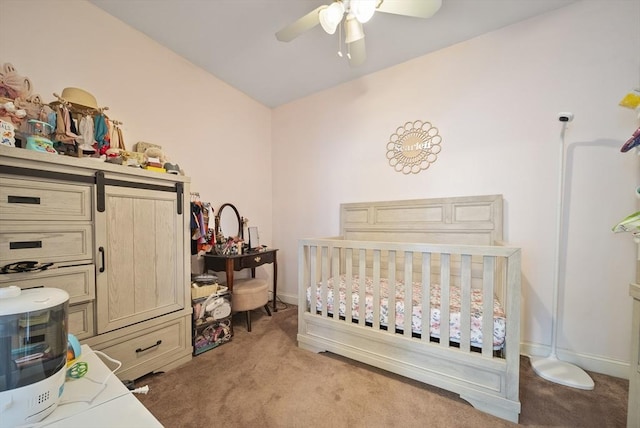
column 24, row 245
column 148, row 347
column 257, row 259
column 101, row 249
column 24, row 200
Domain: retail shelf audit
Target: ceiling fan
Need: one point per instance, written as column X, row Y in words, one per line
column 354, row 13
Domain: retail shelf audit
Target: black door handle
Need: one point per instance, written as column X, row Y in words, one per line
column 149, row 347
column 101, row 249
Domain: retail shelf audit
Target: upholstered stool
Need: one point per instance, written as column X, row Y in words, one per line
column 249, row 294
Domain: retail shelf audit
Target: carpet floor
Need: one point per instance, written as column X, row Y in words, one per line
column 262, row 379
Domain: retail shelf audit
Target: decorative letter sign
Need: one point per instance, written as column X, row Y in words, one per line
column 413, row 147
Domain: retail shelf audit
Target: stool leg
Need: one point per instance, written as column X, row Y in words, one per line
column 249, row 321
column 267, row 308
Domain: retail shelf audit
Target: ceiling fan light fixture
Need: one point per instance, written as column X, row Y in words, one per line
column 331, row 16
column 363, row 10
column 353, row 30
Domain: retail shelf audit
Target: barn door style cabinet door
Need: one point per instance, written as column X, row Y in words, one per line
column 139, row 240
column 119, row 243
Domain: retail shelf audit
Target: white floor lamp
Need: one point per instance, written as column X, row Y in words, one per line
column 551, row 368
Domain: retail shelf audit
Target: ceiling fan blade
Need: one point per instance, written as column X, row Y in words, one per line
column 357, row 53
column 303, row 24
column 415, row 8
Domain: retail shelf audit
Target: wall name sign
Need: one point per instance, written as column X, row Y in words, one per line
column 413, row 147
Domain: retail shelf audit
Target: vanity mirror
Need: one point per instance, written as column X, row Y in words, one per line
column 228, row 224
column 228, row 221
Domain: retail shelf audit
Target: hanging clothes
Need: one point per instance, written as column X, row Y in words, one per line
column 71, row 129
column 52, row 118
column 100, row 133
column 61, row 127
column 119, row 131
column 86, row 133
column 116, row 137
column 114, row 141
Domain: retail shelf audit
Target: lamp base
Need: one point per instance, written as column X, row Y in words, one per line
column 561, row 372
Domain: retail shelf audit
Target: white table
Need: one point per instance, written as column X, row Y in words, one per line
column 90, row 401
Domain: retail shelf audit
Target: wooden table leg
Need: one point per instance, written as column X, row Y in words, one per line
column 229, row 269
column 275, row 281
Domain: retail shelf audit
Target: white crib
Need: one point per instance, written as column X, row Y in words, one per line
column 397, row 252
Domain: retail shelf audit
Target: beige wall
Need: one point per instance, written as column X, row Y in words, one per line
column 495, row 101
column 218, row 135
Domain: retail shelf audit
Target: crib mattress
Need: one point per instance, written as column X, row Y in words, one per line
column 499, row 321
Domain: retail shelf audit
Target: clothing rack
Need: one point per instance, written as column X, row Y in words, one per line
column 202, row 236
column 85, row 110
column 78, row 112
column 61, row 101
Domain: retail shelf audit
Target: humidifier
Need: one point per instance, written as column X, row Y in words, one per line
column 33, row 353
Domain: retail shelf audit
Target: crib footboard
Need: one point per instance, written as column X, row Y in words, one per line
column 365, row 300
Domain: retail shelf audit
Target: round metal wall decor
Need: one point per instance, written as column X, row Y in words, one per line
column 413, row 147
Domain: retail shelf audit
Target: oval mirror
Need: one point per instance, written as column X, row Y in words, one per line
column 228, row 221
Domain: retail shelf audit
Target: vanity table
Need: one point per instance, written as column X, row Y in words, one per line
column 249, row 260
column 228, row 219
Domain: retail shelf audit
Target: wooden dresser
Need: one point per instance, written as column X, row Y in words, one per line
column 119, row 243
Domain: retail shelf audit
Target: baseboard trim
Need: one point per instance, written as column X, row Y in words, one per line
column 286, row 298
column 593, row 363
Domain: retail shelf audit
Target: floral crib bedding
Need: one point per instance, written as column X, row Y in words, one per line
column 499, row 321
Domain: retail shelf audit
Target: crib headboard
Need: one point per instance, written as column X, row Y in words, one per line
column 472, row 220
column 466, row 220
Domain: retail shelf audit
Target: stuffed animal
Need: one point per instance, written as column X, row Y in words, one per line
column 155, row 157
column 12, row 85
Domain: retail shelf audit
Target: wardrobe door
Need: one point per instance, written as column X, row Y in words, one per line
column 139, row 254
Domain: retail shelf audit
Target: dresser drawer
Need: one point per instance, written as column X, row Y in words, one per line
column 146, row 351
column 78, row 281
column 81, row 320
column 257, row 259
column 24, row 199
column 45, row 242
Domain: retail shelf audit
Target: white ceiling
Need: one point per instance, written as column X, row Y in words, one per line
column 234, row 39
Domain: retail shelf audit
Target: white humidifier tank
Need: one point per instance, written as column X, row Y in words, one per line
column 33, row 353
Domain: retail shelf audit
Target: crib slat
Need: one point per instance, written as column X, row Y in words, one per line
column 391, row 292
column 303, row 280
column 335, row 274
column 362, row 270
column 376, row 289
column 426, row 297
column 313, row 278
column 465, row 303
column 445, row 283
column 487, row 305
column 324, row 263
column 408, row 292
column 348, row 294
